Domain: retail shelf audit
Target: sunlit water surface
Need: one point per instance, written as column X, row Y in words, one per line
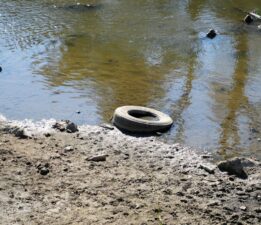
column 81, row 63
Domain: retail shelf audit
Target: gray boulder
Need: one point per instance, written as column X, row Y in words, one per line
column 235, row 167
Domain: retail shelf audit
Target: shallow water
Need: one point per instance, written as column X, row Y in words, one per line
column 61, row 62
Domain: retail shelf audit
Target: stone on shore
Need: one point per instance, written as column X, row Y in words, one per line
column 235, row 167
column 99, row 158
column 66, row 125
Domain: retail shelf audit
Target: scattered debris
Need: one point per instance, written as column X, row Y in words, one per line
column 211, row 34
column 207, row 156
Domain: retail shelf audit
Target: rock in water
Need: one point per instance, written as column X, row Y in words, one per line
column 212, row 34
column 248, row 19
column 78, row 7
column 233, row 167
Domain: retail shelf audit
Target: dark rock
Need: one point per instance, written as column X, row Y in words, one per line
column 71, row 127
column 206, row 156
column 179, row 193
column 184, row 200
column 28, row 163
column 258, row 210
column 1, row 69
column 65, row 125
column 44, row 171
column 99, row 158
column 248, row 19
column 211, row 34
column 47, row 134
column 254, row 130
column 233, row 167
column 248, row 162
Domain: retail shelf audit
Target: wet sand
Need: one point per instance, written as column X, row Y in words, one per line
column 55, row 177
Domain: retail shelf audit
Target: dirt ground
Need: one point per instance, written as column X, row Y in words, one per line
column 53, row 179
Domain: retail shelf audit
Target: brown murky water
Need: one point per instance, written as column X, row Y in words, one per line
column 81, row 63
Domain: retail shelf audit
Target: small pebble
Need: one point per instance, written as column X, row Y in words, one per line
column 99, row 158
column 44, row 171
column 243, row 208
column 68, row 149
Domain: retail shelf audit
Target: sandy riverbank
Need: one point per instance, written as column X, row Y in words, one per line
column 51, row 178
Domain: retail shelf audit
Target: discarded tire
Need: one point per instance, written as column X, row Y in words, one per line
column 141, row 119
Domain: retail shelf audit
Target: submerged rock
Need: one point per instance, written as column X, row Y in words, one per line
column 78, row 7
column 211, row 34
column 248, row 19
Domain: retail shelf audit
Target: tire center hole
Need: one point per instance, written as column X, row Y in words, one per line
column 143, row 115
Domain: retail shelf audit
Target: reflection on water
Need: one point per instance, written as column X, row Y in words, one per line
column 58, row 60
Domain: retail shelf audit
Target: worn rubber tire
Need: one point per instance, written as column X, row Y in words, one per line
column 123, row 119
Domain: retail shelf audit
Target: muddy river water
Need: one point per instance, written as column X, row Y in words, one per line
column 63, row 60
